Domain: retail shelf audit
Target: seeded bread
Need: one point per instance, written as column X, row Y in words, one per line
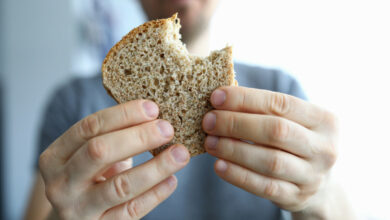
column 152, row 63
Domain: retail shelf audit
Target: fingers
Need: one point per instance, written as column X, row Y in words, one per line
column 261, row 129
column 277, row 191
column 107, row 120
column 100, row 152
column 143, row 204
column 132, row 183
column 266, row 161
column 258, row 101
column 115, row 169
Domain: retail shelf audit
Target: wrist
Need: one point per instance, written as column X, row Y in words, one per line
column 52, row 216
column 330, row 202
column 318, row 208
column 317, row 213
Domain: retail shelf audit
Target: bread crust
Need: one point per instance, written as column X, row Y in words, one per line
column 132, row 34
column 221, row 61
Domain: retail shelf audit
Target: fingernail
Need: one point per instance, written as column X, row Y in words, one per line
column 218, row 97
column 211, row 142
column 209, row 121
column 221, row 166
column 171, row 181
column 165, row 128
column 179, row 154
column 150, row 109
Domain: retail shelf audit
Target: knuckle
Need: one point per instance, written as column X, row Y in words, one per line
column 163, row 166
column 279, row 131
column 330, row 155
column 125, row 113
column 244, row 98
column 144, row 135
column 276, row 164
column 158, row 195
column 234, row 125
column 122, row 187
column 133, row 209
column 96, row 149
column 271, row 189
column 315, row 151
column 245, row 179
column 228, row 148
column 90, row 126
column 330, row 121
column 279, row 104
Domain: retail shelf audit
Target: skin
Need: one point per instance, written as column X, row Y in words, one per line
column 277, row 147
column 82, row 176
column 289, row 149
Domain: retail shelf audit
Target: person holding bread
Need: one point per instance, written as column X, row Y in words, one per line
column 269, row 152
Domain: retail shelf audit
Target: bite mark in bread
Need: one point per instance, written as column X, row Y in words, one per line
column 152, row 63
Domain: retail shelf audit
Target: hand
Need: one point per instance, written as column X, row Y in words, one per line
column 271, row 144
column 83, row 173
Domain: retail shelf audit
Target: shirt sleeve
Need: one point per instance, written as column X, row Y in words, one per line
column 269, row 79
column 285, row 83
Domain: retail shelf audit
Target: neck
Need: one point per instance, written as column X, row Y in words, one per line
column 200, row 46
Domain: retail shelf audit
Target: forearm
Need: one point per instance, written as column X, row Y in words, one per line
column 52, row 216
column 332, row 203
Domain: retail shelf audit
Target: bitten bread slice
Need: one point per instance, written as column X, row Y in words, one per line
column 152, row 63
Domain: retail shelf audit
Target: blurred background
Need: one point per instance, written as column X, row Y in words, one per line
column 338, row 49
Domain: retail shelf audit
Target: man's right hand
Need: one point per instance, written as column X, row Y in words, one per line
column 73, row 164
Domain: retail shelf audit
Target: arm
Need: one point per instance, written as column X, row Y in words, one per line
column 38, row 206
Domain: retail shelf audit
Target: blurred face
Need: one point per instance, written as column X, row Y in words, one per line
column 194, row 15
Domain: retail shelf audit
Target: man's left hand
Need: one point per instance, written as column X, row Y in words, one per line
column 271, row 144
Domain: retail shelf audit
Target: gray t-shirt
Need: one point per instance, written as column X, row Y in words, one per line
column 200, row 194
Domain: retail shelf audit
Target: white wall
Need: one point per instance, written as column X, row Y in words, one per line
column 340, row 51
column 37, row 38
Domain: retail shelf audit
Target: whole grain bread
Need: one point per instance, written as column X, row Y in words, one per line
column 152, row 63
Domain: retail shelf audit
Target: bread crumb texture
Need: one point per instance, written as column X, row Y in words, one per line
column 152, row 63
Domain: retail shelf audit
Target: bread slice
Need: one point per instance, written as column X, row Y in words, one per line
column 152, row 63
